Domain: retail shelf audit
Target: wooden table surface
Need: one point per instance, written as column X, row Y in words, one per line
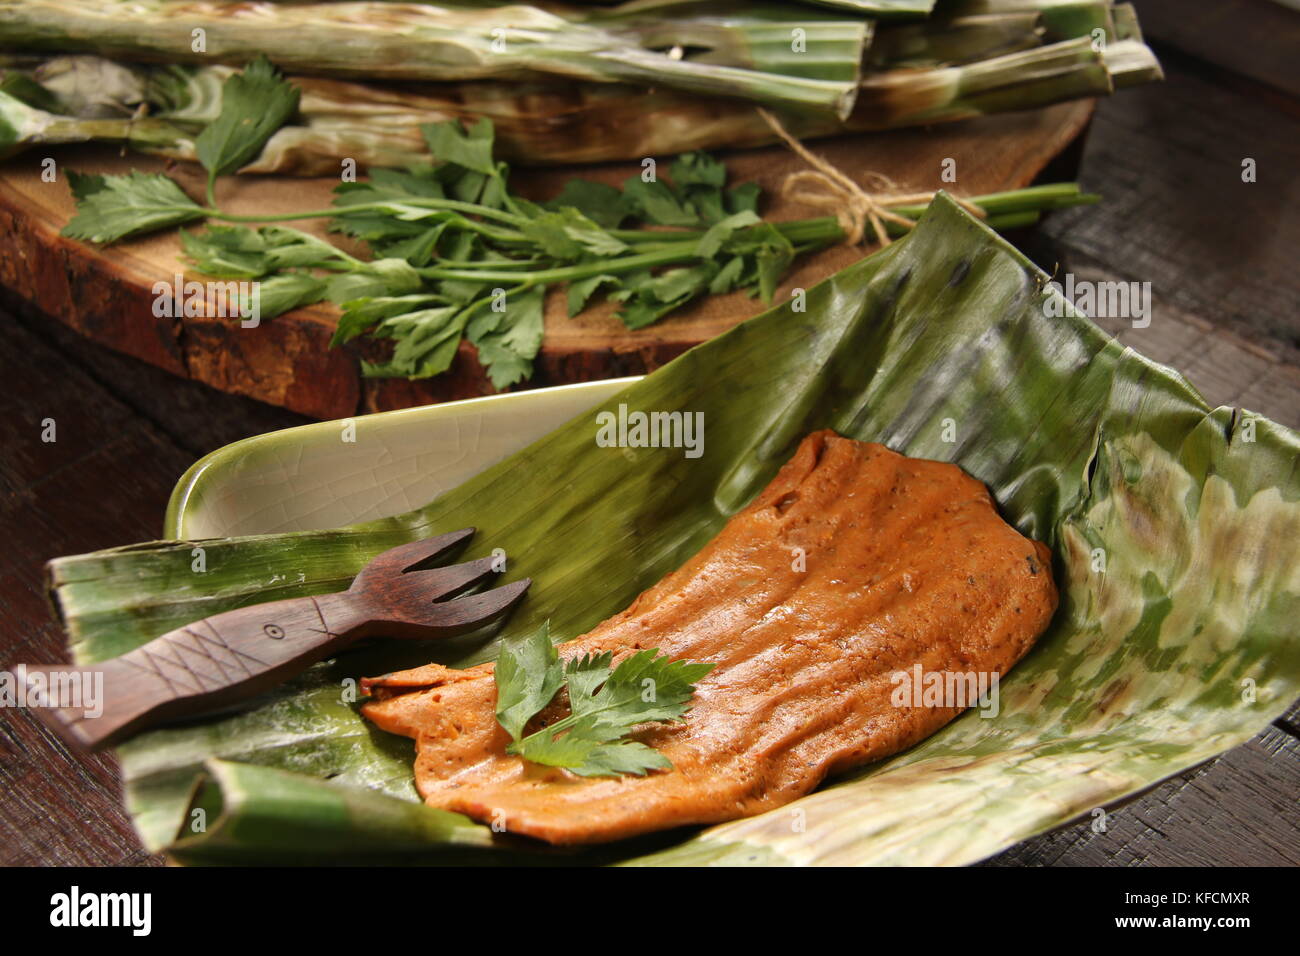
column 1220, row 255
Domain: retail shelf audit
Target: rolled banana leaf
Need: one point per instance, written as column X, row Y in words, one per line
column 1175, row 530
column 876, row 9
column 973, row 58
column 379, row 125
column 963, row 31
column 747, row 54
column 1132, row 62
column 880, row 8
column 23, row 127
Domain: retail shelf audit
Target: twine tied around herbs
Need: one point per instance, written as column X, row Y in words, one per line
column 826, row 187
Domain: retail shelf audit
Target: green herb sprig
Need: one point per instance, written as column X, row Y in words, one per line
column 605, row 705
column 457, row 255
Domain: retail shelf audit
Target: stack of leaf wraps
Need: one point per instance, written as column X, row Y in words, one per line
column 563, row 83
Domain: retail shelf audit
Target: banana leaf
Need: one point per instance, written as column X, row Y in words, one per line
column 1175, row 530
column 875, row 9
column 379, row 125
column 23, row 126
column 963, row 31
column 751, row 54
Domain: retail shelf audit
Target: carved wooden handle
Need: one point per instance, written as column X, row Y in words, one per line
column 200, row 667
column 238, row 654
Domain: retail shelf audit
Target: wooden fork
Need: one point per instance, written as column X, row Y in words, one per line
column 238, row 654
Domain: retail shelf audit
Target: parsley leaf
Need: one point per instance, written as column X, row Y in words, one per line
column 114, row 207
column 600, row 203
column 254, row 104
column 427, row 340
column 236, row 252
column 418, row 250
column 721, row 231
column 509, row 340
column 772, row 252
column 384, row 277
column 648, row 298
column 698, row 169
column 567, row 234
column 85, row 184
column 527, row 676
column 286, row 291
column 472, row 148
column 580, row 290
column 656, row 203
column 362, row 315
column 604, row 706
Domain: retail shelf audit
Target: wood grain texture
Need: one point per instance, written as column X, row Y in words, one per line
column 125, row 431
column 1167, row 159
column 1257, row 38
column 106, row 294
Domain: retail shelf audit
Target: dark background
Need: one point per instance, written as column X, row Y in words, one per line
column 1222, row 259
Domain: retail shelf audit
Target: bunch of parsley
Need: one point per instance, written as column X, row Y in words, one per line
column 456, row 255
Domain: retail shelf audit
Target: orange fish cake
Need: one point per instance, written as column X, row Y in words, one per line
column 853, row 566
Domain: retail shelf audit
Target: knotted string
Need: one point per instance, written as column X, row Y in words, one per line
column 826, row 187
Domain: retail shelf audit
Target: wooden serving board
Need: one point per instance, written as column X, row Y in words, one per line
column 106, row 293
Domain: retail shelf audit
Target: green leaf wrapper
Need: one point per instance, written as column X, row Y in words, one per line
column 1084, row 444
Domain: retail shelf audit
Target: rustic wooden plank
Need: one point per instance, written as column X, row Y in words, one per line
column 125, row 431
column 101, row 483
column 1256, row 38
column 1167, row 159
column 192, row 416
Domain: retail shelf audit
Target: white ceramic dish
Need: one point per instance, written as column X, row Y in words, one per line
column 310, row 477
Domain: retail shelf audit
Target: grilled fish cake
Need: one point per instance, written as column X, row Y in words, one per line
column 853, row 565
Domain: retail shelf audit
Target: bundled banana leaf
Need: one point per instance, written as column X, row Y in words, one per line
column 378, row 126
column 879, row 9
column 972, row 58
column 963, row 31
column 748, row 52
column 1175, row 530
